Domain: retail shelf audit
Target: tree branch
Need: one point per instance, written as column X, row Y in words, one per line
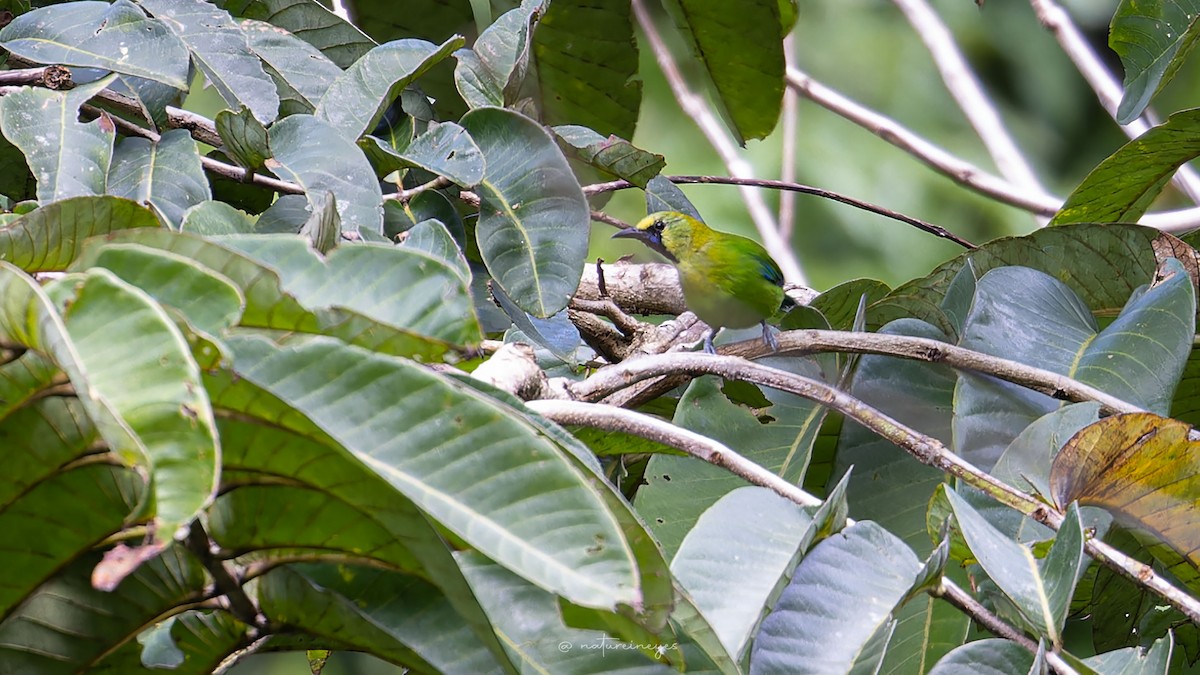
column 787, row 186
column 609, row 418
column 240, row 604
column 962, row 84
column 695, row 107
column 925, row 449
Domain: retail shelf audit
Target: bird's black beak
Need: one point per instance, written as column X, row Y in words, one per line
column 632, row 233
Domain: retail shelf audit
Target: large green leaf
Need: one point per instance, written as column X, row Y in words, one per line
column 220, row 50
column 533, row 217
column 399, row 286
column 310, row 21
column 739, row 557
column 1040, row 589
column 49, row 238
column 843, row 593
column 142, row 388
column 478, row 483
column 314, row 154
column 1027, row 316
column 991, row 655
column 117, row 37
column 612, row 155
column 1134, row 661
column 357, row 99
column 67, row 158
column 264, row 441
column 742, row 53
column 1121, row 187
column 60, row 518
column 299, row 63
column 1141, row 467
column 154, row 407
column 199, row 641
column 1153, row 39
column 40, row 438
column 401, row 619
column 269, row 306
column 68, row 626
column 529, row 621
column 166, row 175
column 1101, row 263
column 587, row 64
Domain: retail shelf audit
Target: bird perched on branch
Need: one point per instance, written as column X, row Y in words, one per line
column 728, row 280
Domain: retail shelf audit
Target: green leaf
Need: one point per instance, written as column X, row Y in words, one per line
column 1132, row 661
column 556, row 334
column 216, row 218
column 491, row 72
column 313, row 154
column 67, row 158
column 742, row 53
column 301, row 65
column 1041, row 590
column 49, row 238
column 166, row 175
column 148, row 385
column 613, row 155
column 68, row 626
column 311, row 21
column 739, row 557
column 210, row 301
column 839, row 305
column 449, row 151
column 1029, row 317
column 1026, row 462
column 1140, row 467
column 1122, row 186
column 663, row 195
column 587, row 65
column 432, row 237
column 245, row 138
column 1102, row 264
column 58, row 519
column 848, row 586
column 528, row 620
column 1153, row 39
column 490, row 501
column 394, row 285
column 990, row 655
column 323, row 228
column 400, row 618
column 356, row 100
column 117, row 37
column 220, row 50
column 680, row 489
column 533, row 217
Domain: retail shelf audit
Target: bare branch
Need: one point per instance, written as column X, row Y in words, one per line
column 695, row 107
column 925, row 449
column 790, row 118
column 609, row 418
column 790, row 187
column 962, row 84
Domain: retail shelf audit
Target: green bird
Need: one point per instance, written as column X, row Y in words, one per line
column 728, row 280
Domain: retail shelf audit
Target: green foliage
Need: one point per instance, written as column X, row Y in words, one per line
column 272, row 398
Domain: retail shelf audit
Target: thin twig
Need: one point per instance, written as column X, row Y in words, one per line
column 962, row 84
column 1108, row 90
column 407, row 195
column 925, row 449
column 609, row 418
column 695, row 107
column 240, row 604
column 794, row 187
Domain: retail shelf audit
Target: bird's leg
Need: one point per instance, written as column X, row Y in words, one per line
column 708, row 341
column 769, row 337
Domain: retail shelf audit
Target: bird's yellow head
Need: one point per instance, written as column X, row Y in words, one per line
column 671, row 233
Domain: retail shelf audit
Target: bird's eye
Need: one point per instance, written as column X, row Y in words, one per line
column 657, row 227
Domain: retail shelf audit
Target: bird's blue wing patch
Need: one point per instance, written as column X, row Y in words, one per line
column 770, row 271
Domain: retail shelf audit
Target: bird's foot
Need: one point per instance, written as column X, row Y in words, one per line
column 708, row 342
column 769, row 337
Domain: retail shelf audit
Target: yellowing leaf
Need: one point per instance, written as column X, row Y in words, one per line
column 1140, row 467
